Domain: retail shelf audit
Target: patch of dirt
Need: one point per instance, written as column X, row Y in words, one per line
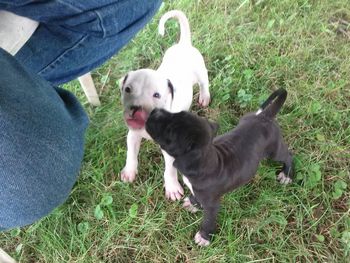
column 340, row 23
column 341, row 204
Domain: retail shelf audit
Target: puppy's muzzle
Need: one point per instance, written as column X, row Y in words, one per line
column 134, row 109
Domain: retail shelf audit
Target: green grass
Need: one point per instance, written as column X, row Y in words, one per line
column 250, row 49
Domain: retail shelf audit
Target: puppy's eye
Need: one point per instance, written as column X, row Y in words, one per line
column 127, row 90
column 156, row 95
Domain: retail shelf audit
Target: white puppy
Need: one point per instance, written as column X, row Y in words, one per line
column 169, row 87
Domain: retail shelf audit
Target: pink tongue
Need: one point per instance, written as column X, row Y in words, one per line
column 141, row 115
column 138, row 121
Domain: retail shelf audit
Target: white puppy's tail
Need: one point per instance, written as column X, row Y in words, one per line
column 185, row 36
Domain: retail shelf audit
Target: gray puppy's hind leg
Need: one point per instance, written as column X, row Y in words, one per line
column 284, row 155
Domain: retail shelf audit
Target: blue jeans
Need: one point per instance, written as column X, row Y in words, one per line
column 76, row 36
column 41, row 144
column 42, row 127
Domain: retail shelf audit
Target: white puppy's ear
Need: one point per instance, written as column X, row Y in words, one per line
column 171, row 88
column 122, row 81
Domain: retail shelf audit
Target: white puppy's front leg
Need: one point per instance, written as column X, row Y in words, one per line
column 173, row 189
column 128, row 174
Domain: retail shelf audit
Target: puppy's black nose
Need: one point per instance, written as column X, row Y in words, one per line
column 135, row 109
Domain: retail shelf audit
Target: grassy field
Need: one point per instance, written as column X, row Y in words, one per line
column 250, row 49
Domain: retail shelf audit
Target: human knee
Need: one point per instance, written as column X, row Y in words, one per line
column 27, row 198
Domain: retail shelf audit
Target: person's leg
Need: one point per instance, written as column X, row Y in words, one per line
column 76, row 36
column 41, row 144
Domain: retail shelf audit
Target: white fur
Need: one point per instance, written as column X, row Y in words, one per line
column 5, row 258
column 284, row 179
column 258, row 112
column 184, row 66
column 189, row 206
column 201, row 241
column 185, row 36
column 188, row 184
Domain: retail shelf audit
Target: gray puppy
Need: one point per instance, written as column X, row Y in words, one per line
column 213, row 165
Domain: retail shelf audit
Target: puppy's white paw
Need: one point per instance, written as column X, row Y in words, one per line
column 173, row 190
column 201, row 241
column 204, row 99
column 189, row 206
column 283, row 179
column 128, row 176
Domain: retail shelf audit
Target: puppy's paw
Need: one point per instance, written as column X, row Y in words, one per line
column 204, row 99
column 283, row 179
column 201, row 241
column 189, row 206
column 128, row 176
column 173, row 190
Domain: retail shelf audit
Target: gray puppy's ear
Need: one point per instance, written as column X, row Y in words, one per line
column 214, row 126
column 171, row 88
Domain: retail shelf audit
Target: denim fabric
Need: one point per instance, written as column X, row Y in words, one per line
column 42, row 127
column 75, row 36
column 41, row 144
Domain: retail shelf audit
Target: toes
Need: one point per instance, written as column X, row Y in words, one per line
column 172, row 196
column 186, row 202
column 173, row 191
column 168, row 195
column 176, row 195
column 204, row 103
column 128, row 176
column 189, row 206
column 204, row 100
column 286, row 180
column 201, row 241
column 127, row 179
column 283, row 179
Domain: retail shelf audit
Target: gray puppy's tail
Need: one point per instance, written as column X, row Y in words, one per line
column 273, row 103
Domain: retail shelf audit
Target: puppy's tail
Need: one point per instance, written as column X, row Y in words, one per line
column 185, row 36
column 273, row 103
